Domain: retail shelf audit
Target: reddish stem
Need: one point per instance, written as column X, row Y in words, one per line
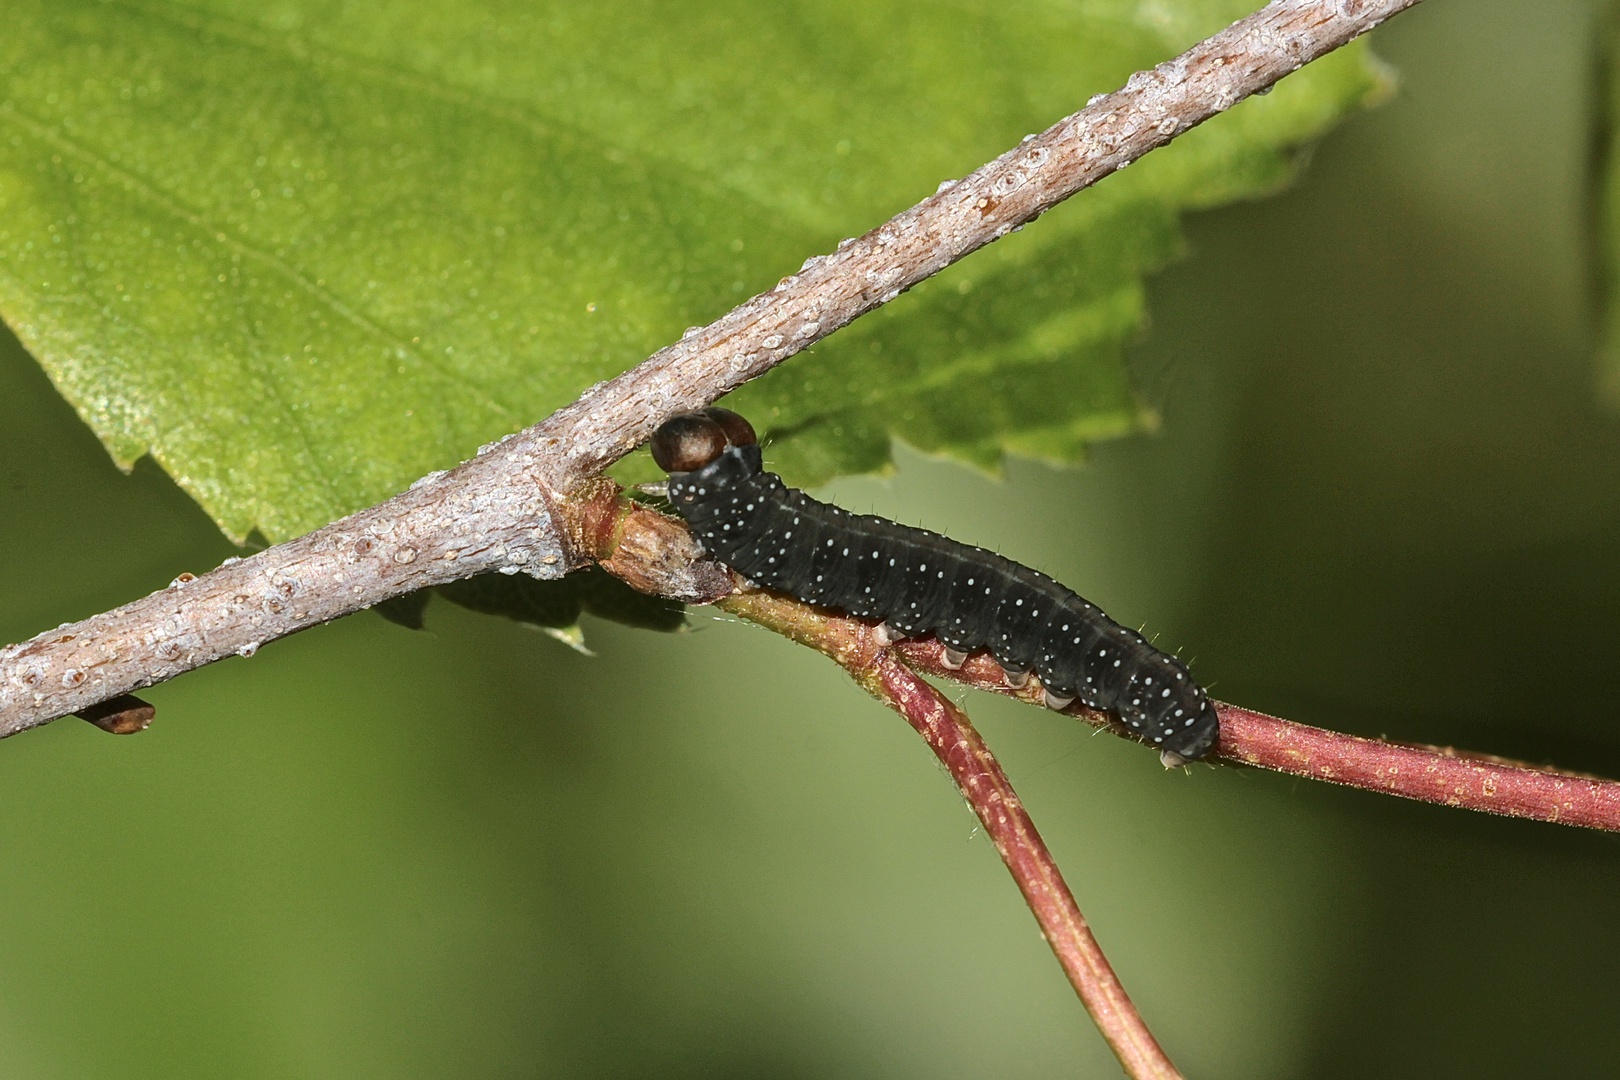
column 654, row 554
column 1425, row 773
column 978, row 776
column 953, row 739
column 1430, row 774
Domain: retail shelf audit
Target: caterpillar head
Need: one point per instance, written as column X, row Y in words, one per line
column 689, row 441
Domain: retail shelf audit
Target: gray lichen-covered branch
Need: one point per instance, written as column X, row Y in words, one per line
column 516, row 506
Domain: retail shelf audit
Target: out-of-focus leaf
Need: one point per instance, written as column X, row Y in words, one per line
column 1606, row 195
column 303, row 253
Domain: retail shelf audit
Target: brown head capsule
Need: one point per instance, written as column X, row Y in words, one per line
column 739, row 432
column 687, row 442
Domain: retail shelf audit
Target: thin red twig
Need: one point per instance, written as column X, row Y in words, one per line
column 953, row 739
column 979, row 777
column 1426, row 773
column 1431, row 774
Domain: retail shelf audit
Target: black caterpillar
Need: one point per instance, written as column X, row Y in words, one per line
column 919, row 582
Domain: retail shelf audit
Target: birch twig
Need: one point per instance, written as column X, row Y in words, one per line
column 513, row 508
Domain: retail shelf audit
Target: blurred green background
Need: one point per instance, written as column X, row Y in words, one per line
column 1384, row 499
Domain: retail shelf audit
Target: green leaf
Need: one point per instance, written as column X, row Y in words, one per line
column 303, row 253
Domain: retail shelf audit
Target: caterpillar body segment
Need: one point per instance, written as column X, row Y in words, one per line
column 918, row 582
